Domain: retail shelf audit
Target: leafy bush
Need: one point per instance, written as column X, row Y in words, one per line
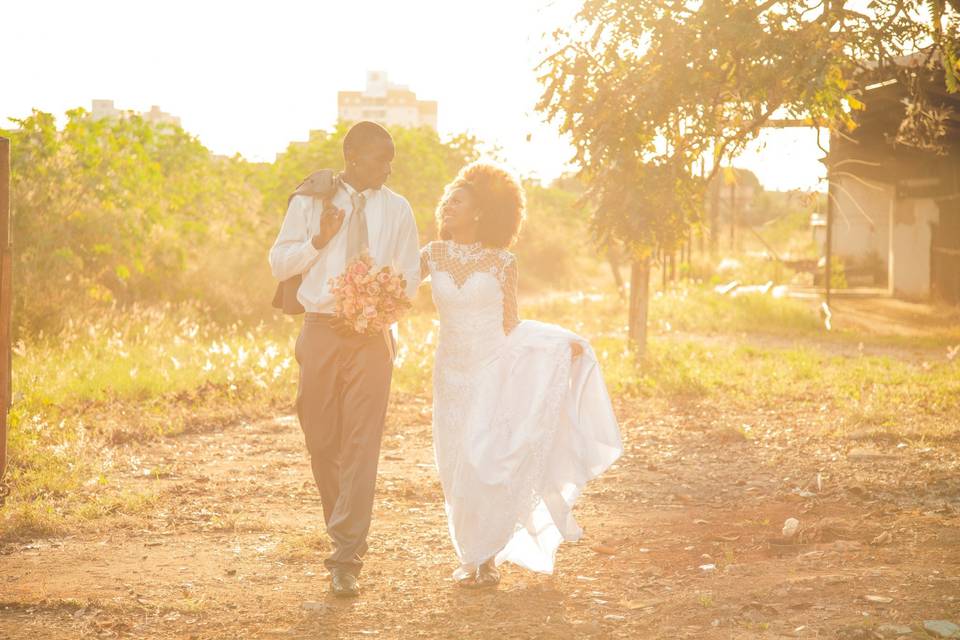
column 112, row 213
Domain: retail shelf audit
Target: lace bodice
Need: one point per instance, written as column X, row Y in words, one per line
column 459, row 263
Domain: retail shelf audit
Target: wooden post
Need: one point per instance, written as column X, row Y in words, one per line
column 6, row 282
column 715, row 214
column 663, row 270
column 639, row 304
column 828, row 249
column 733, row 215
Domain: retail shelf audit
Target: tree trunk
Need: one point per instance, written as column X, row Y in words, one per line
column 639, row 304
column 733, row 217
column 715, row 218
column 6, row 291
column 613, row 259
column 828, row 249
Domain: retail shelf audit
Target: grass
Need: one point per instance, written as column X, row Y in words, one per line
column 302, row 547
column 867, row 390
column 143, row 374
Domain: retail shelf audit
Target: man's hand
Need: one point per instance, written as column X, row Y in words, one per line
column 330, row 221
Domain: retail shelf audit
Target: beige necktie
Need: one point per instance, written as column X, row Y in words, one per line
column 357, row 240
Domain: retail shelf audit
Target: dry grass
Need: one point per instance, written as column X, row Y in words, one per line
column 151, row 373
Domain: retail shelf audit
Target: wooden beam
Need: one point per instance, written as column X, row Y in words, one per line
column 786, row 123
column 6, row 263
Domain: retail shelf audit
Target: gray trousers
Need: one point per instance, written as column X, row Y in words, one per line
column 342, row 403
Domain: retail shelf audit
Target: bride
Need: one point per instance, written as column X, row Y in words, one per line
column 521, row 415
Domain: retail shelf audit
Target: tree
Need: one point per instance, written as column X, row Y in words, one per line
column 117, row 211
column 657, row 95
column 120, row 211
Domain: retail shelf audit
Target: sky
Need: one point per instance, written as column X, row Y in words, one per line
column 250, row 77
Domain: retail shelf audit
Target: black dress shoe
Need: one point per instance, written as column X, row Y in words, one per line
column 343, row 584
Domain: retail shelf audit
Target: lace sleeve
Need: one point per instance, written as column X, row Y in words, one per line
column 511, row 313
column 425, row 261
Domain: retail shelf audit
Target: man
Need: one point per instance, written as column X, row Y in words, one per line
column 345, row 377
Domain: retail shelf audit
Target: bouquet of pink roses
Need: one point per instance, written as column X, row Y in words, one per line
column 366, row 299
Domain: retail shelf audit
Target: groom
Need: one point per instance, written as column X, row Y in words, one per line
column 344, row 376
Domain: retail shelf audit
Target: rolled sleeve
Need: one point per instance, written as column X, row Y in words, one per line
column 408, row 250
column 293, row 251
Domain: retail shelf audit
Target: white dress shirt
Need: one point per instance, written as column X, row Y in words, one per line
column 391, row 231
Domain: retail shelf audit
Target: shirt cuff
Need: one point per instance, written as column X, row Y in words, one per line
column 309, row 251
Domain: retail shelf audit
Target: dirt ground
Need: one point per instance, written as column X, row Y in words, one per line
column 682, row 540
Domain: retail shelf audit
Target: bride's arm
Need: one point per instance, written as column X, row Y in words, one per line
column 425, row 261
column 511, row 311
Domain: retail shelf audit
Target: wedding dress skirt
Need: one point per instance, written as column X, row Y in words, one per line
column 535, row 428
column 519, row 426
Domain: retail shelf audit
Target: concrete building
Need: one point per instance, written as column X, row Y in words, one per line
column 105, row 109
column 896, row 207
column 386, row 104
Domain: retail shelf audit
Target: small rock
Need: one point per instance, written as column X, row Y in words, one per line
column 314, row 606
column 856, row 633
column 603, row 548
column 708, row 567
column 634, row 605
column 894, row 630
column 614, row 617
column 790, row 527
column 866, row 455
column 878, row 599
column 942, row 628
column 844, row 545
column 884, row 538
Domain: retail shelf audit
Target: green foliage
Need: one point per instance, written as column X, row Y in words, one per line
column 120, row 211
column 554, row 249
column 838, row 274
column 117, row 212
column 653, row 92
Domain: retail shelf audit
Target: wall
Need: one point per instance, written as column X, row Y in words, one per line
column 911, row 247
column 861, row 231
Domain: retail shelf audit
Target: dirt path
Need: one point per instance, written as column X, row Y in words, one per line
column 677, row 545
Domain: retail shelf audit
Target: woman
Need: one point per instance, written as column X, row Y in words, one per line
column 521, row 415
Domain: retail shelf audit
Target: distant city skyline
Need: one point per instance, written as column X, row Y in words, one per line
column 385, row 103
column 100, row 109
column 251, row 81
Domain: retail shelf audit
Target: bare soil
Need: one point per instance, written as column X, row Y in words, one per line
column 683, row 539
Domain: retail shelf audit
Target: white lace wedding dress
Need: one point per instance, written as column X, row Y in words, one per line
column 518, row 428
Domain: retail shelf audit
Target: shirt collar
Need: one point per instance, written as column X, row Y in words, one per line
column 366, row 193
